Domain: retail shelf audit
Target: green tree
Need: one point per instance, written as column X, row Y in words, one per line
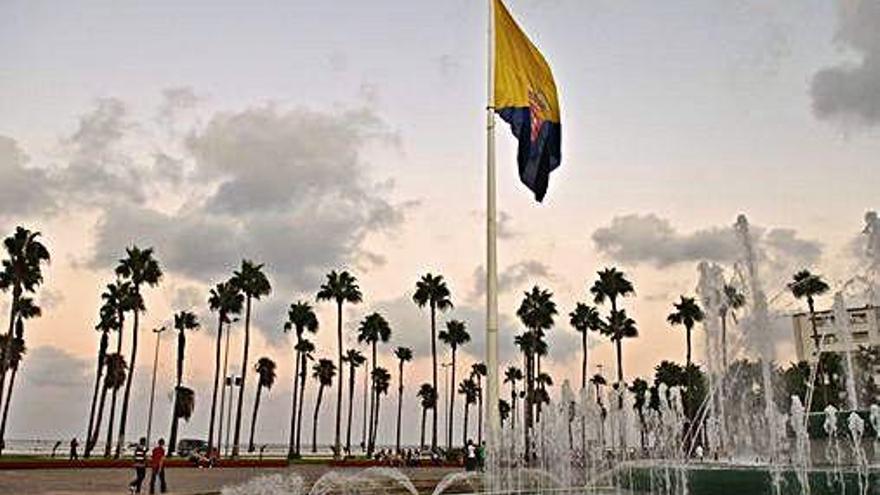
column 226, row 300
column 300, row 318
column 806, row 285
column 536, row 312
column 611, row 285
column 619, row 327
column 454, row 336
column 467, row 388
column 265, row 369
column 355, row 360
column 342, row 288
column 372, row 330
column 428, row 400
column 254, row 284
column 381, row 383
column 478, row 371
column 585, row 318
column 512, row 375
column 432, row 291
column 183, row 321
column 324, row 371
column 686, row 313
column 403, row 355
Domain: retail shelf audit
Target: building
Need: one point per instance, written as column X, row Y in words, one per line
column 864, row 329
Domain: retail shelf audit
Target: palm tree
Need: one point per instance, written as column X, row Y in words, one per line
column 503, row 411
column 806, row 285
column 432, row 291
column 15, row 349
column 639, row 389
column 478, row 371
column 183, row 321
column 618, row 327
column 265, row 369
column 536, row 312
column 511, row 376
column 304, row 348
column 227, row 300
column 300, row 317
column 343, row 288
column 731, row 300
column 454, row 336
column 611, row 285
column 254, row 284
column 467, row 388
column 323, row 371
column 114, row 379
column 355, row 360
column 428, row 397
column 106, row 324
column 139, row 267
column 184, row 402
column 598, row 381
column 585, row 318
column 687, row 313
column 381, row 383
column 123, row 297
column 372, row 330
column 22, row 272
column 403, row 355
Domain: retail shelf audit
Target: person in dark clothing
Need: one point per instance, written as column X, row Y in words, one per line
column 73, row 453
column 157, row 467
column 140, row 466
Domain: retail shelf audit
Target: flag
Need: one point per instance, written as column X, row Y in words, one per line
column 525, row 97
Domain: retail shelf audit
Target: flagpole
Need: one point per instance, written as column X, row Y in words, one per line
column 491, row 253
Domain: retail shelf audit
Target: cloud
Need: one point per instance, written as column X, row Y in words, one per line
column 516, row 276
column 850, row 91
column 23, row 190
column 174, row 101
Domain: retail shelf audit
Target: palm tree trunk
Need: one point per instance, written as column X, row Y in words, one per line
column 337, row 444
column 216, row 386
column 422, row 437
column 724, row 343
column 315, row 419
column 351, row 376
column 4, row 356
column 434, row 373
column 584, row 360
column 175, row 420
column 399, row 403
column 688, row 332
column 247, row 337
column 102, row 350
column 529, row 410
column 619, row 345
column 451, row 404
column 302, row 391
column 370, row 432
column 376, row 424
column 538, row 404
column 93, row 440
column 464, row 430
column 6, row 404
column 291, row 444
column 479, row 410
column 108, row 447
column 251, row 446
column 816, row 338
column 513, row 400
column 123, row 416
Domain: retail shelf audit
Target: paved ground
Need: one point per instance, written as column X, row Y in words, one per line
column 180, row 480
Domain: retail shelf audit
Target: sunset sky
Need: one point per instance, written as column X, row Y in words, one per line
column 312, row 136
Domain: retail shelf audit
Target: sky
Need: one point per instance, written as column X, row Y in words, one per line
column 312, row 136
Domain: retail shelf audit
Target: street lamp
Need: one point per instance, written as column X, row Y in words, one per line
column 223, row 391
column 232, row 381
column 158, row 332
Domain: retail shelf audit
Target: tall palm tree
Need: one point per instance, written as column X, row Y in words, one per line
column 301, row 318
column 503, row 411
column 611, row 285
column 227, row 300
column 528, row 342
column 806, row 285
column 639, row 389
column 467, row 388
column 355, row 360
column 618, row 327
column 372, row 330
column 124, row 298
column 265, row 369
column 454, row 336
column 686, row 313
column 15, row 349
column 478, row 371
column 323, row 371
column 254, row 284
column 585, row 318
column 428, row 400
column 140, row 267
column 22, row 273
column 536, row 312
column 114, row 379
column 381, row 384
column 343, row 288
column 304, row 348
column 106, row 324
column 731, row 300
column 432, row 291
column 183, row 321
column 598, row 381
column 511, row 376
column 403, row 355
column 184, row 402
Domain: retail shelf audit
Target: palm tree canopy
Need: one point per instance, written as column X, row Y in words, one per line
column 107, row 319
column 251, row 280
column 669, row 374
column 620, row 326
column 806, row 285
column 468, row 388
column 381, row 380
column 123, row 297
column 185, row 320
column 528, row 343
column 265, row 368
column 512, row 374
column 226, row 298
column 544, row 379
column 455, row 334
column 731, row 298
column 598, row 379
column 428, row 396
column 324, row 371
column 340, row 287
column 503, row 409
column 479, row 369
column 611, row 284
column 585, row 318
column 305, row 347
column 26, row 254
column 537, row 309
column 687, row 312
column 15, row 355
column 403, row 354
column 116, row 371
column 374, row 328
column 354, row 358
column 27, row 309
column 185, row 403
column 639, row 388
column 139, row 266
column 432, row 290
column 301, row 316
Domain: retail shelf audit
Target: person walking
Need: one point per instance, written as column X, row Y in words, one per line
column 74, row 455
column 157, row 467
column 140, row 466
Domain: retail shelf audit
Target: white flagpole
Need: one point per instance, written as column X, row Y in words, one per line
column 491, row 254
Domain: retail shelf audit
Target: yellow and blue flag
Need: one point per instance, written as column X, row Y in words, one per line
column 525, row 97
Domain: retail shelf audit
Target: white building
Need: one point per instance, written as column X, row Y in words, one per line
column 864, row 331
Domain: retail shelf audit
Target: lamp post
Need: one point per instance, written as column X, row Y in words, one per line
column 223, row 391
column 158, row 332
column 366, row 393
column 232, row 381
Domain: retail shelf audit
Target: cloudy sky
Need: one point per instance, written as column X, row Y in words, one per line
column 319, row 135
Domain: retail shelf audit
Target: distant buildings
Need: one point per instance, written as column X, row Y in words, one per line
column 864, row 332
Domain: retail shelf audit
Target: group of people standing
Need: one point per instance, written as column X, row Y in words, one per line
column 157, row 467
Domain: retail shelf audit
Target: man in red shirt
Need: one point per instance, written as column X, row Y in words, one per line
column 157, row 466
